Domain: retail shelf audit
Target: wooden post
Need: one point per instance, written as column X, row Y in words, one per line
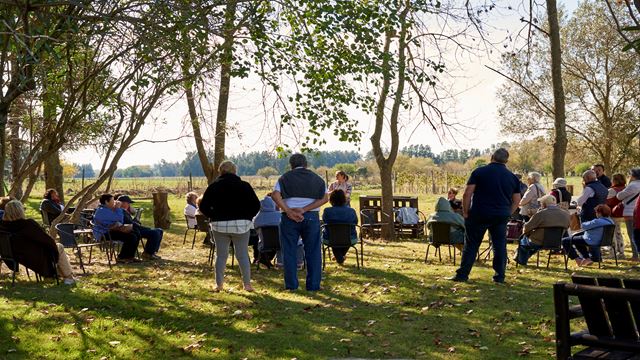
column 161, row 210
column 82, row 178
column 190, row 182
column 433, row 183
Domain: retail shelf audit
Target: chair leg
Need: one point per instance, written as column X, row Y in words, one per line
column 324, row 253
column 184, row 239
column 449, row 248
column 233, row 254
column 80, row 260
column 549, row 260
column 90, row 253
column 615, row 256
column 426, row 257
column 193, row 243
column 454, row 256
column 440, row 253
column 361, row 254
column 566, row 261
column 538, row 260
column 28, row 275
column 357, row 259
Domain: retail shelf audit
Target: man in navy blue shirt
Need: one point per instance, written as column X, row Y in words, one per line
column 491, row 196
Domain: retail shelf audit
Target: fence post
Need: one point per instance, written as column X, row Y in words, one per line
column 82, row 177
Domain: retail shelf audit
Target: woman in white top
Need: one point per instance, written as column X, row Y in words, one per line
column 342, row 183
column 190, row 210
column 529, row 202
column 628, row 197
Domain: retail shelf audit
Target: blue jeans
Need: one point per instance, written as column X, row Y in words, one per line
column 526, row 249
column 309, row 230
column 154, row 238
column 476, row 227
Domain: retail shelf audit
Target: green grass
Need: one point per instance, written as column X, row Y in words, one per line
column 397, row 307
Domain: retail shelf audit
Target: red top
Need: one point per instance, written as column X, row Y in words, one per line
column 612, row 202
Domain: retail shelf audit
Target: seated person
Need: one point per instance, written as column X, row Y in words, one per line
column 153, row 236
column 268, row 215
column 190, row 210
column 207, row 239
column 51, row 205
column 549, row 215
column 339, row 213
column 456, row 204
column 109, row 219
column 444, row 214
column 32, row 246
column 560, row 192
column 589, row 238
column 3, row 202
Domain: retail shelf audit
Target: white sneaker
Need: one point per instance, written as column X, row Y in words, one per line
column 69, row 281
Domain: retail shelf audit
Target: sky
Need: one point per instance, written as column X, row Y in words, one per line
column 168, row 135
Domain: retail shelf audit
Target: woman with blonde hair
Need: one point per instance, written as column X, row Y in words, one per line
column 32, row 246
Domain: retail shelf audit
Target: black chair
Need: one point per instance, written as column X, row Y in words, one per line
column 107, row 244
column 86, row 216
column 609, row 232
column 552, row 241
column 440, row 235
column 68, row 238
column 339, row 235
column 371, row 220
column 6, row 255
column 195, row 231
column 203, row 226
column 270, row 236
column 45, row 220
column 138, row 215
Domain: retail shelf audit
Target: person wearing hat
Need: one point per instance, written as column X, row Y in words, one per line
column 550, row 215
column 560, row 192
column 628, row 196
column 153, row 235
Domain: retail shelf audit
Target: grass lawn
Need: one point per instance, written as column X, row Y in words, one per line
column 397, row 307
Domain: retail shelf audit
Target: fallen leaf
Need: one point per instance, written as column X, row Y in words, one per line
column 114, row 343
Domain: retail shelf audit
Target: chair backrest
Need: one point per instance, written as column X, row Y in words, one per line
column 270, row 236
column 45, row 218
column 339, row 235
column 6, row 251
column 369, row 216
column 610, row 316
column 138, row 214
column 66, row 235
column 85, row 218
column 553, row 237
column 440, row 233
column 608, row 233
column 203, row 222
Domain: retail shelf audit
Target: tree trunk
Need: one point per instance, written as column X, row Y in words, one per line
column 388, row 230
column 161, row 210
column 560, row 139
column 207, row 168
column 4, row 112
column 53, row 178
column 225, row 82
column 16, row 148
column 30, row 183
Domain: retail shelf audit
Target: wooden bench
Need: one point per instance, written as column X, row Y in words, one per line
column 371, row 216
column 611, row 309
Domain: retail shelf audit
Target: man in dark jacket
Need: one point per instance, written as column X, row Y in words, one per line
column 300, row 193
column 153, row 236
column 602, row 177
column 593, row 194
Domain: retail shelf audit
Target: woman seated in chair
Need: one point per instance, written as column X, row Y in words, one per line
column 32, row 246
column 589, row 238
column 444, row 214
column 190, row 209
column 269, row 215
column 340, row 213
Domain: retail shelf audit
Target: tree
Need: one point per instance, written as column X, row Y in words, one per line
column 601, row 82
column 267, row 172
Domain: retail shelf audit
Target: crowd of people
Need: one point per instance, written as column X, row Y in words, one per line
column 236, row 217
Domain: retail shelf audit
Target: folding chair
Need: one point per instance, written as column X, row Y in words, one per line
column 195, row 231
column 270, row 236
column 6, row 255
column 138, row 215
column 68, row 238
column 609, row 232
column 552, row 241
column 339, row 235
column 441, row 235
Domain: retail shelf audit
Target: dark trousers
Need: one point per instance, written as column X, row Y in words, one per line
column 129, row 243
column 154, row 238
column 309, row 230
column 476, row 226
column 526, row 249
column 575, row 244
column 339, row 253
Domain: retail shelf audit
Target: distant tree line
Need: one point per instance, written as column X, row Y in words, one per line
column 450, row 155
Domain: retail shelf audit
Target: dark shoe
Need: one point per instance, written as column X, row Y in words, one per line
column 498, row 281
column 456, row 278
column 128, row 260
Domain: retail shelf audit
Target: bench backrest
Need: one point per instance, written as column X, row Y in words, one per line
column 609, row 316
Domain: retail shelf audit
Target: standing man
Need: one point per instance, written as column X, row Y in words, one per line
column 299, row 193
column 593, row 194
column 491, row 196
column 604, row 179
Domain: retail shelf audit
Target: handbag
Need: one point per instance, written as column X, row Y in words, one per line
column 574, row 222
